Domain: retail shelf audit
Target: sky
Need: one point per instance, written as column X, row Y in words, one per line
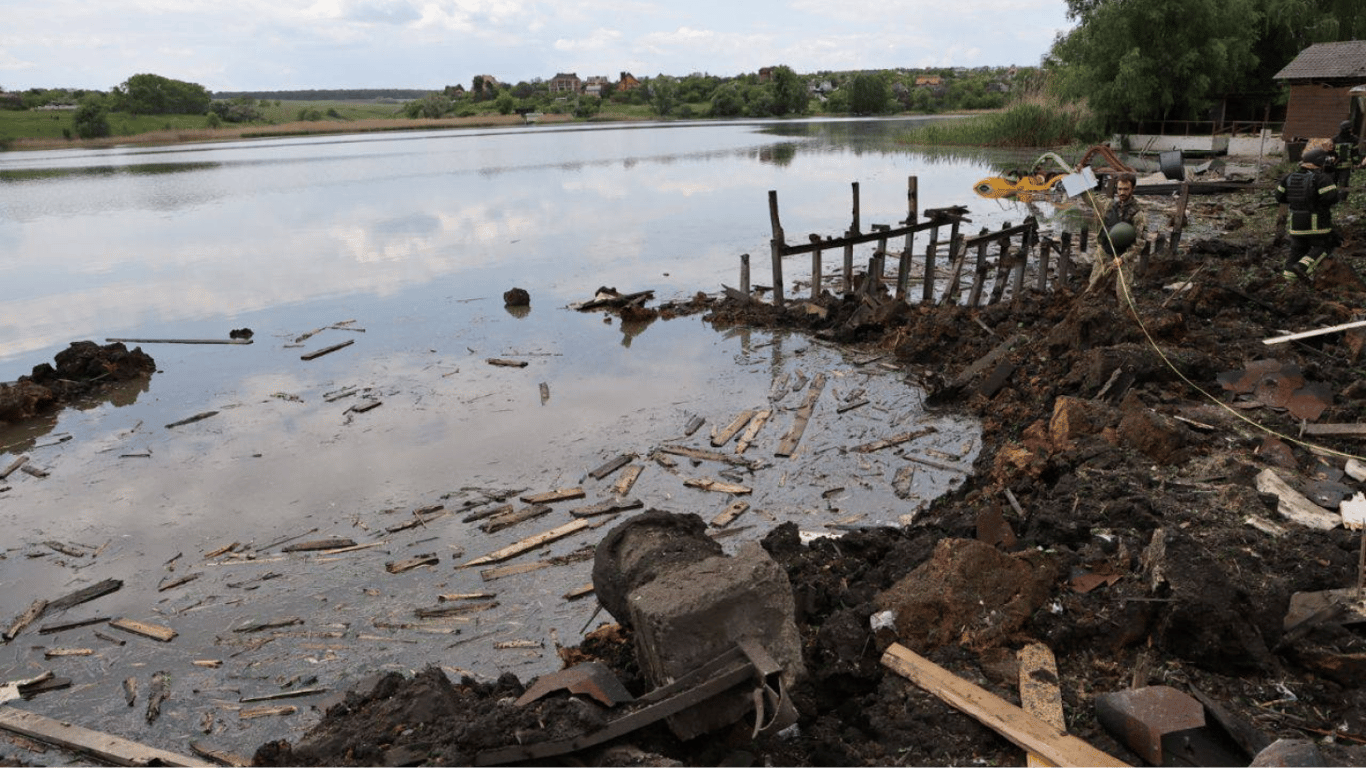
column 280, row 45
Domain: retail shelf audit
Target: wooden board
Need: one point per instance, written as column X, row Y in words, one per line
column 728, row 516
column 111, row 749
column 1012, row 722
column 1039, row 694
column 528, row 544
column 98, row 589
column 326, row 350
column 564, row 494
column 509, row 519
column 1295, row 505
column 611, row 466
column 705, row 455
column 721, row 438
column 752, row 431
column 904, row 437
column 708, row 484
column 627, row 480
column 788, row 446
column 155, row 632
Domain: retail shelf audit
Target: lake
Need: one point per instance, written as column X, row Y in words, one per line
column 404, row 244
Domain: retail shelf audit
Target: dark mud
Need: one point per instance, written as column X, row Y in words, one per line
column 80, row 370
column 1129, row 552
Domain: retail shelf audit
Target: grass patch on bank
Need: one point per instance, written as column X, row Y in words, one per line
column 1030, row 123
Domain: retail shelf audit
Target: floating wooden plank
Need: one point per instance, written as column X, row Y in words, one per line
column 13, row 465
column 251, row 714
column 694, row 424
column 937, row 464
column 607, row 508
column 153, row 631
column 208, row 663
column 157, row 695
column 222, row 550
column 549, row 497
column 336, row 542
column 731, row 512
column 1012, row 722
column 420, row 517
column 36, row 609
column 579, row 592
column 627, row 480
column 533, row 542
column 409, row 564
column 191, row 419
column 752, row 431
column 178, row 341
column 352, row 548
column 1039, row 693
column 259, row 626
column 708, row 484
column 721, row 438
column 485, row 513
column 851, row 406
column 465, row 596
column 509, row 519
column 506, row 363
column 1294, row 505
column 53, row 653
column 512, row 644
column 705, row 455
column 33, row 471
column 362, row 407
column 86, row 594
column 453, row 610
column 904, row 437
column 219, row 756
column 489, row 574
column 283, row 695
column 183, row 580
column 49, row 629
column 130, row 690
column 326, row 350
column 545, row 393
column 611, row 466
column 110, row 749
column 788, row 446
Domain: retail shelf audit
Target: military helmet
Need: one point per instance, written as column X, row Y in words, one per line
column 1121, row 236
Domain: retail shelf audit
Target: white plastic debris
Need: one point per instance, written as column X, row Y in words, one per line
column 1354, row 511
column 884, row 620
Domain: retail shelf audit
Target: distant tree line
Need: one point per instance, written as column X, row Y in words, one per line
column 335, row 94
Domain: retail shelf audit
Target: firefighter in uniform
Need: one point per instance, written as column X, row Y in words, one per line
column 1345, row 145
column 1310, row 191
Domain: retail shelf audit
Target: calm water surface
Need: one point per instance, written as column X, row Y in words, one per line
column 414, row 237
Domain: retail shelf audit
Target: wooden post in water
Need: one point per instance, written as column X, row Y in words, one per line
column 776, row 247
column 816, row 268
column 1180, row 216
column 1020, row 262
column 980, row 272
column 1085, row 235
column 903, row 276
column 849, row 249
column 1045, row 245
column 957, row 256
column 998, row 286
column 927, row 286
column 1065, row 259
column 744, row 273
column 880, row 255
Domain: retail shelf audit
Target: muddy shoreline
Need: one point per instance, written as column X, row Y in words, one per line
column 1112, row 459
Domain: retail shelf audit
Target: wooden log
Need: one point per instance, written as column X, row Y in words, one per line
column 744, row 275
column 532, row 542
column 13, row 465
column 789, row 443
column 178, row 341
column 816, row 268
column 731, row 512
column 1294, row 505
column 904, row 437
column 110, row 749
column 549, row 497
column 708, row 484
column 979, row 272
column 509, row 519
column 607, row 508
column 498, row 361
column 1039, row 692
column 721, row 438
column 627, row 480
column 29, row 616
column 191, row 419
column 705, row 455
column 153, row 631
column 326, row 350
column 1012, row 722
column 363, row 406
column 612, row 466
column 752, row 431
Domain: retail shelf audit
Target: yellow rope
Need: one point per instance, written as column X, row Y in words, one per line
column 1133, row 310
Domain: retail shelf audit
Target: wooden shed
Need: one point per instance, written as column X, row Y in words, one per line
column 1321, row 81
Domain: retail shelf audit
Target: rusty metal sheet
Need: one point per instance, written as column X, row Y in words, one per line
column 1243, row 381
column 1139, row 717
column 590, row 678
column 1279, row 384
column 1310, row 401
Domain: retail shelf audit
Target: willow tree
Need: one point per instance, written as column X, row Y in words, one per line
column 1154, row 59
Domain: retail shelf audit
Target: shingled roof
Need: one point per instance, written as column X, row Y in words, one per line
column 1328, row 61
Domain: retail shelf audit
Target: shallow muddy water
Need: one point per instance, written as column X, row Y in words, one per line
column 404, row 246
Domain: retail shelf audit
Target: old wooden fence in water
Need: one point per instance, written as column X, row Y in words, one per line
column 985, row 266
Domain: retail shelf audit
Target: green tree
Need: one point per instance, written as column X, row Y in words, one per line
column 728, row 100
column 790, row 96
column 869, row 94
column 663, row 94
column 505, row 103
column 1149, row 59
column 148, row 94
column 91, row 120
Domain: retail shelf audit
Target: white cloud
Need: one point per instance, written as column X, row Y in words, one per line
column 599, row 40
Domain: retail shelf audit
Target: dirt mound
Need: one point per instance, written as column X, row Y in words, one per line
column 80, row 369
column 1108, row 517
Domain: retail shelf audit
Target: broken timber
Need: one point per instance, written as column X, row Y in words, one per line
column 178, row 341
column 153, row 631
column 509, row 519
column 498, row 361
column 564, row 494
column 86, row 594
column 705, row 455
column 904, row 437
column 721, row 438
column 752, row 431
column 9, row 470
column 111, row 749
column 1039, row 693
column 1294, row 505
column 192, row 419
column 627, row 480
column 708, row 484
column 794, row 435
column 326, row 350
column 611, row 466
column 27, row 617
column 1012, row 722
column 607, row 508
column 728, row 516
column 528, row 544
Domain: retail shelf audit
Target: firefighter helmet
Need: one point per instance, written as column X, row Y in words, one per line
column 1314, row 158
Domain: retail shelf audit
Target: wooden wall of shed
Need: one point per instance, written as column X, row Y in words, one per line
column 1316, row 110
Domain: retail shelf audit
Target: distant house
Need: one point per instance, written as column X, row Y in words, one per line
column 765, row 74
column 928, row 81
column 627, row 82
column 595, row 84
column 1321, row 80
column 819, row 87
column 566, row 83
